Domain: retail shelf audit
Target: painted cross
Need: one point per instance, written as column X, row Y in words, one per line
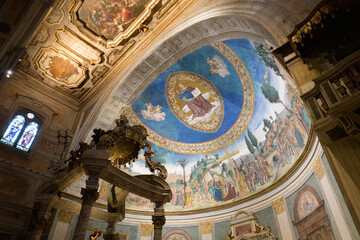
column 228, row 156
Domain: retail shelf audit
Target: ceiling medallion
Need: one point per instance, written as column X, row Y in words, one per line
column 111, row 21
column 225, row 139
column 195, row 101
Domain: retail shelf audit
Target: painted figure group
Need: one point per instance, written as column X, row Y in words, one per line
column 111, row 16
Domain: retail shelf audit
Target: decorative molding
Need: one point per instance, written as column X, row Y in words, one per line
column 77, row 45
column 206, row 227
column 319, row 169
column 65, row 216
column 37, row 103
column 279, row 205
column 41, row 35
column 146, row 230
column 166, row 7
column 98, row 73
column 56, row 14
column 116, row 54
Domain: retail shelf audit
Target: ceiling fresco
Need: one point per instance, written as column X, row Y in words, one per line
column 223, row 121
column 109, row 18
column 79, row 43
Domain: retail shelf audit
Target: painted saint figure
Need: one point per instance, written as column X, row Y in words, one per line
column 14, row 129
column 27, row 137
column 195, row 101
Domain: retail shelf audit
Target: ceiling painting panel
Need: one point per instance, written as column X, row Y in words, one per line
column 60, row 67
column 111, row 21
column 66, row 28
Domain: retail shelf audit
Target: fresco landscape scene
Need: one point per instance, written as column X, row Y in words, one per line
column 224, row 122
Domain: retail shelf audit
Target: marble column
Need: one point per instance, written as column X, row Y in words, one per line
column 332, row 201
column 285, row 225
column 158, row 220
column 60, row 227
column 146, row 231
column 89, row 198
column 206, row 230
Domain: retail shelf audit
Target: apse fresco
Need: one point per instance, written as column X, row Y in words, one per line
column 223, row 121
column 108, row 18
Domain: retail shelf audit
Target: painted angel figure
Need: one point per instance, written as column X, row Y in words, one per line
column 217, row 66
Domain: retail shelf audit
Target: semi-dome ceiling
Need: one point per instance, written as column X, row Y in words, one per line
column 224, row 122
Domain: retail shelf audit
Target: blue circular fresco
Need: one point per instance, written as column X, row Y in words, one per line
column 217, row 76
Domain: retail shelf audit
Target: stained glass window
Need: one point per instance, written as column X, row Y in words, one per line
column 13, row 130
column 28, row 136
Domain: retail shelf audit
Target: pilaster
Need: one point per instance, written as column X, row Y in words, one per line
column 286, row 228
column 332, row 201
column 207, row 230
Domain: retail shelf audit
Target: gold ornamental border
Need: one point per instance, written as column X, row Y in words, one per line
column 225, row 139
column 139, row 23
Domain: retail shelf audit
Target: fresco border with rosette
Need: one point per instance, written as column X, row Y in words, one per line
column 225, row 139
column 121, row 36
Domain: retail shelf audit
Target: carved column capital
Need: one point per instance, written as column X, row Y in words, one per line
column 206, row 227
column 158, row 221
column 319, row 169
column 279, row 205
column 89, row 196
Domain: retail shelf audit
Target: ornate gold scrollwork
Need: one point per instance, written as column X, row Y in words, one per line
column 154, row 166
column 125, row 142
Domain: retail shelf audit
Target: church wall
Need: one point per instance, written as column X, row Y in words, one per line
column 290, row 201
column 131, row 231
column 193, row 231
column 267, row 218
column 21, row 173
column 339, row 196
column 56, row 128
column 221, row 229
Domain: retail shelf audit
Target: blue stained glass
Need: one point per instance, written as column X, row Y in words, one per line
column 13, row 130
column 28, row 136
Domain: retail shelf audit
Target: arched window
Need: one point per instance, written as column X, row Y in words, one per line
column 21, row 131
